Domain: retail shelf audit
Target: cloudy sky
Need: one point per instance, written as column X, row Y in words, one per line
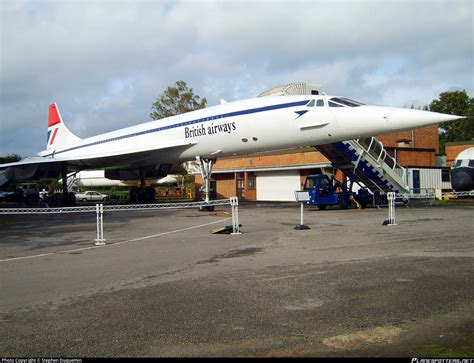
column 105, row 62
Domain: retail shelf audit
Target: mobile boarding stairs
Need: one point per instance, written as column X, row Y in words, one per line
column 366, row 162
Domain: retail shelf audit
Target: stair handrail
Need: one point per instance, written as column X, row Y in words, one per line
column 370, row 148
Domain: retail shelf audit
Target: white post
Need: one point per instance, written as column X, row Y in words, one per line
column 302, row 224
column 301, row 196
column 234, row 203
column 100, row 240
column 391, row 208
column 102, row 223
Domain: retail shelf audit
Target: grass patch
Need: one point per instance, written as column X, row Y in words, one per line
column 438, row 351
column 445, row 202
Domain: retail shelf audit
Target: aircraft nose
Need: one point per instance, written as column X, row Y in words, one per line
column 404, row 118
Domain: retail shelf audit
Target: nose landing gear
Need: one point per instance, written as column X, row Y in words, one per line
column 206, row 171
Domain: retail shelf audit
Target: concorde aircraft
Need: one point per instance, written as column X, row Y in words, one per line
column 153, row 149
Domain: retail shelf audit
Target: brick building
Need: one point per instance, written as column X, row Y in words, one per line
column 276, row 175
column 454, row 148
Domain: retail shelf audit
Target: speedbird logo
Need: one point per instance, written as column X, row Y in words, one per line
column 300, row 113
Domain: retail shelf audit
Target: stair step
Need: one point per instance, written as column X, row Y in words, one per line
column 371, row 167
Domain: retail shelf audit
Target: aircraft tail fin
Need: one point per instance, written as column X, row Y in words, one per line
column 58, row 133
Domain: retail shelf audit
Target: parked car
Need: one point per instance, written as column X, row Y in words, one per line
column 30, row 193
column 7, row 197
column 91, row 196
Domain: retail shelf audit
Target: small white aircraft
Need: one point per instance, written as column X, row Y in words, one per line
column 152, row 149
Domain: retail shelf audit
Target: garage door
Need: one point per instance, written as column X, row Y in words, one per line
column 278, row 186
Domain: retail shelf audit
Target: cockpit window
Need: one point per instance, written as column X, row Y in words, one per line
column 458, row 162
column 355, row 103
column 333, row 104
column 317, row 103
column 346, row 102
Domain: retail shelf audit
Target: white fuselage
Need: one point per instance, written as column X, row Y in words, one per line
column 248, row 126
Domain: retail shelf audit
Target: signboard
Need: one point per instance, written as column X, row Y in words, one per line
column 301, row 196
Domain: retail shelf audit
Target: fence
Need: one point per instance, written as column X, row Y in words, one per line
column 423, row 196
column 380, row 199
column 459, row 194
column 99, row 209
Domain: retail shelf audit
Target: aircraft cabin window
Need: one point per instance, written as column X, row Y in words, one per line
column 320, row 103
column 310, row 103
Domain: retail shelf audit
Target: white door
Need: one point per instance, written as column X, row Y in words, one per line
column 278, row 186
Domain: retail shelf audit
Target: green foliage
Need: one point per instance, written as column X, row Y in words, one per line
column 176, row 100
column 438, row 351
column 455, row 103
column 10, row 158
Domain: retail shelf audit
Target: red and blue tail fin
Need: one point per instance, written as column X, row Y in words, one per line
column 58, row 134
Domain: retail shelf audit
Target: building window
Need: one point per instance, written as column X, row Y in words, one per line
column 403, row 143
column 251, row 181
column 445, row 177
column 240, row 185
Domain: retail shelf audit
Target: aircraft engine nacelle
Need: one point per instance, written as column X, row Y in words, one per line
column 22, row 173
column 151, row 172
column 121, row 174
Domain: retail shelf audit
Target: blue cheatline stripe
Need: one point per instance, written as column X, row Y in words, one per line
column 186, row 123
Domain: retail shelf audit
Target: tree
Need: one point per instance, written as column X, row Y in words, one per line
column 455, row 103
column 176, row 100
column 10, row 158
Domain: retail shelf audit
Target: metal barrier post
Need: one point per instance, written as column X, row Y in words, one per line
column 391, row 208
column 301, row 196
column 100, row 240
column 234, row 203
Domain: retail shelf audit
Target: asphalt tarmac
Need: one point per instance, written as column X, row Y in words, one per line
column 165, row 286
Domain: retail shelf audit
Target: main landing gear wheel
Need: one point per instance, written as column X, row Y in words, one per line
column 206, row 208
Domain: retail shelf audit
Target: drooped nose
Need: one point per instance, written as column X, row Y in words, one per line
column 406, row 118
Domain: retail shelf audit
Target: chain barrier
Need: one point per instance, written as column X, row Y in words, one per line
column 99, row 209
column 458, row 194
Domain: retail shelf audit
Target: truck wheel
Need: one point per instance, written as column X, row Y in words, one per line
column 322, row 206
column 344, row 203
column 84, row 199
column 206, row 208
